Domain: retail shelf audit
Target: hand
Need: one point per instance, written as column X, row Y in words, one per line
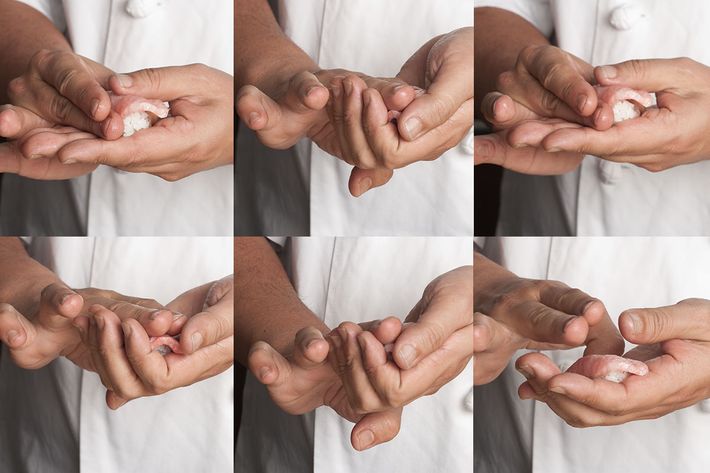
column 675, row 133
column 67, row 89
column 303, row 380
column 494, row 344
column 435, row 121
column 33, row 145
column 197, row 136
column 52, row 329
column 548, row 314
column 516, row 145
column 295, row 107
column 130, row 367
column 432, row 349
column 674, row 343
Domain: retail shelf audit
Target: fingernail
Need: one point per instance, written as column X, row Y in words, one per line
column 196, row 340
column 365, row 185
column 12, row 336
column 399, row 87
column 177, row 315
column 253, row 116
column 407, row 354
column 36, row 156
column 581, row 102
column 365, row 439
column 263, row 372
column 554, row 150
column 525, row 371
column 413, row 126
column 127, row 330
column 348, row 87
column 65, row 298
column 155, row 314
column 608, row 72
column 634, row 322
column 126, row 81
column 311, row 342
column 95, row 107
column 558, row 390
column 68, row 160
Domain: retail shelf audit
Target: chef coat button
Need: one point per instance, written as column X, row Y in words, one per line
column 468, row 400
column 705, row 405
column 142, row 8
column 626, row 16
column 467, row 143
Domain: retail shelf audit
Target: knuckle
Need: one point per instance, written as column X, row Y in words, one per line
column 549, row 102
column 505, row 81
column 152, row 77
column 528, row 54
column 17, row 88
column 66, row 78
column 41, row 57
column 61, row 108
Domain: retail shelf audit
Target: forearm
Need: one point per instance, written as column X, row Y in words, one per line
column 500, row 36
column 22, row 279
column 263, row 53
column 23, row 32
column 266, row 306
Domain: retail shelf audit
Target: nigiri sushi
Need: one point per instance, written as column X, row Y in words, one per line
column 138, row 113
column 610, row 367
column 626, row 103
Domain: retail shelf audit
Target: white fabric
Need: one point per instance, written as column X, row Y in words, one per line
column 358, row 280
column 514, row 436
column 604, row 198
column 55, row 418
column 304, row 190
column 111, row 202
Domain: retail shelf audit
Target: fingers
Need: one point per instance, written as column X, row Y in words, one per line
column 58, row 306
column 689, row 319
column 16, row 122
column 652, row 75
column 503, row 112
column 541, row 323
column 376, row 428
column 206, row 328
column 162, row 83
column 362, row 180
column 15, row 329
column 311, row 348
column 345, row 112
column 352, row 366
column 441, row 317
column 488, row 335
column 495, row 149
column 268, row 366
column 538, row 370
column 385, row 331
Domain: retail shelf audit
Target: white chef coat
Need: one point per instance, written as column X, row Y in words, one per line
column 304, row 190
column 111, row 202
column 515, row 436
column 601, row 197
column 358, row 280
column 55, row 419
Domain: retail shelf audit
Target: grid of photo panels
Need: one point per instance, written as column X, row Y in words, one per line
column 592, row 247
column 293, row 174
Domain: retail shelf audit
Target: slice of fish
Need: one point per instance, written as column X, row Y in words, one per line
column 610, row 367
column 138, row 113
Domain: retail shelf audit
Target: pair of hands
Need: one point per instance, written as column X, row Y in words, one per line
column 61, row 125
column 674, row 341
column 350, row 370
column 349, row 115
column 547, row 115
column 108, row 333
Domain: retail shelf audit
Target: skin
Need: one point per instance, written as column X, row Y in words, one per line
column 282, row 343
column 674, row 341
column 431, row 350
column 529, row 80
column 516, row 313
column 434, row 122
column 130, row 368
column 681, row 87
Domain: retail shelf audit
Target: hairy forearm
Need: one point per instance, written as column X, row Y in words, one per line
column 21, row 277
column 499, row 38
column 263, row 52
column 266, row 306
column 23, row 32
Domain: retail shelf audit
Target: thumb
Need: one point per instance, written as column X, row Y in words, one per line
column 58, row 306
column 161, row 83
column 268, row 366
column 15, row 330
column 362, row 180
column 688, row 319
column 644, row 74
column 376, row 428
column 449, row 90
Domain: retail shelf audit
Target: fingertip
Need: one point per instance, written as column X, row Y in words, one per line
column 525, row 391
column 603, row 117
column 15, row 338
column 112, row 126
column 316, row 97
column 405, row 356
column 629, row 324
column 575, row 331
column 9, row 123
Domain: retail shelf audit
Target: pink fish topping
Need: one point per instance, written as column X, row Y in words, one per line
column 165, row 345
column 610, row 367
column 138, row 113
column 627, row 103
